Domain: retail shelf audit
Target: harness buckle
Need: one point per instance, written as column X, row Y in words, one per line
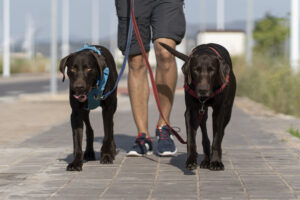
column 202, row 107
column 97, row 98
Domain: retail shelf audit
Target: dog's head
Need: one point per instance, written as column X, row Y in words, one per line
column 83, row 70
column 203, row 68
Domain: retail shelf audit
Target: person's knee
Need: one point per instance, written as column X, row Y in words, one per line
column 163, row 55
column 136, row 64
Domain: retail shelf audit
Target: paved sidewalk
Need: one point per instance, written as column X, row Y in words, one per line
column 258, row 164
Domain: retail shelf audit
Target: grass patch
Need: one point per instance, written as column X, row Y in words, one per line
column 294, row 132
column 269, row 81
column 23, row 65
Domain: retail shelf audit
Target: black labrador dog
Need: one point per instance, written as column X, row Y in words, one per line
column 209, row 81
column 84, row 68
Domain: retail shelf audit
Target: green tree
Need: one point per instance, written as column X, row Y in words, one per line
column 270, row 34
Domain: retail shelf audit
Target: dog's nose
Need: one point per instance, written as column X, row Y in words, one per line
column 79, row 87
column 203, row 90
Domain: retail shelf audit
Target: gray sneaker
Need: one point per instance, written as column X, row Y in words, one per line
column 166, row 145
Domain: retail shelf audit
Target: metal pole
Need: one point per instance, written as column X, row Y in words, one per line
column 249, row 32
column 294, row 41
column 220, row 15
column 53, row 81
column 203, row 15
column 95, row 21
column 65, row 28
column 6, row 38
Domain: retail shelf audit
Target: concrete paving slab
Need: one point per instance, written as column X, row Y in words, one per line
column 258, row 163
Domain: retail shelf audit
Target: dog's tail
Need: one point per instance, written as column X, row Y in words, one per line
column 174, row 52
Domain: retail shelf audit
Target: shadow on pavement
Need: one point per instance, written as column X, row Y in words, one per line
column 179, row 161
column 123, row 142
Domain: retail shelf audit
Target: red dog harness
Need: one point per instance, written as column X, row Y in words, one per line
column 188, row 89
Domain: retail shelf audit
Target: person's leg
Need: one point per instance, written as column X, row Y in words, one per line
column 166, row 77
column 168, row 26
column 138, row 89
column 137, row 78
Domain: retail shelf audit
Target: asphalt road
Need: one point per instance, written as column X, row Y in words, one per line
column 30, row 87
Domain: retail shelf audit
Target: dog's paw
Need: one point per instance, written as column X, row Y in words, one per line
column 89, row 155
column 191, row 163
column 74, row 166
column 205, row 163
column 106, row 158
column 216, row 166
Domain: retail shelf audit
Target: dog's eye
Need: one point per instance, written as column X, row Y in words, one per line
column 195, row 69
column 88, row 69
column 72, row 69
column 211, row 69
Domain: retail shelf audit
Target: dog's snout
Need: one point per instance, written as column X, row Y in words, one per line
column 79, row 87
column 203, row 90
column 203, row 87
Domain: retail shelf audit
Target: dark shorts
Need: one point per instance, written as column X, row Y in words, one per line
column 155, row 19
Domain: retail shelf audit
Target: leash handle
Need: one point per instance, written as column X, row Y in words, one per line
column 127, row 50
column 137, row 33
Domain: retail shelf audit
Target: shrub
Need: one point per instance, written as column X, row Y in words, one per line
column 269, row 81
column 23, row 65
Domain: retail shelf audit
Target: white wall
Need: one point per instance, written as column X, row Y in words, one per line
column 234, row 42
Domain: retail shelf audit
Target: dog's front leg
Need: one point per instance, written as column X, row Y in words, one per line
column 218, row 133
column 205, row 162
column 77, row 128
column 192, row 125
column 108, row 149
column 89, row 153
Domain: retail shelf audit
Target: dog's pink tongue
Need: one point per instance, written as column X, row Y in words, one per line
column 81, row 97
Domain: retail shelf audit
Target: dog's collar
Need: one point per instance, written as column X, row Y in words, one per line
column 96, row 94
column 89, row 47
column 192, row 92
column 213, row 49
column 216, row 52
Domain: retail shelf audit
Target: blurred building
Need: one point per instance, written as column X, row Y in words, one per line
column 233, row 40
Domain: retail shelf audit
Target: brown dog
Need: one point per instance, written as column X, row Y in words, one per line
column 84, row 69
column 209, row 81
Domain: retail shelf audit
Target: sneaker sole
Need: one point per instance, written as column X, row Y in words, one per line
column 167, row 153
column 136, row 154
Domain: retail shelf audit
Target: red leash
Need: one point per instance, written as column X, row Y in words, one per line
column 137, row 33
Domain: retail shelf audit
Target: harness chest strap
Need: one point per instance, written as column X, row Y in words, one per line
column 188, row 89
column 95, row 95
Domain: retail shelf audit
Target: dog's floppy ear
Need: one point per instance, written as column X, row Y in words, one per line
column 224, row 70
column 101, row 62
column 174, row 52
column 62, row 66
column 186, row 70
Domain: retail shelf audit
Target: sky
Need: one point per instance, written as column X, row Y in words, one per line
column 80, row 15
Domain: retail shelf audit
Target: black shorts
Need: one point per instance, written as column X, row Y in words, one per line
column 162, row 18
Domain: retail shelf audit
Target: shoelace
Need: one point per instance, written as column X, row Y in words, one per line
column 140, row 140
column 163, row 134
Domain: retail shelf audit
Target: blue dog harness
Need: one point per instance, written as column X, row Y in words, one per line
column 96, row 94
